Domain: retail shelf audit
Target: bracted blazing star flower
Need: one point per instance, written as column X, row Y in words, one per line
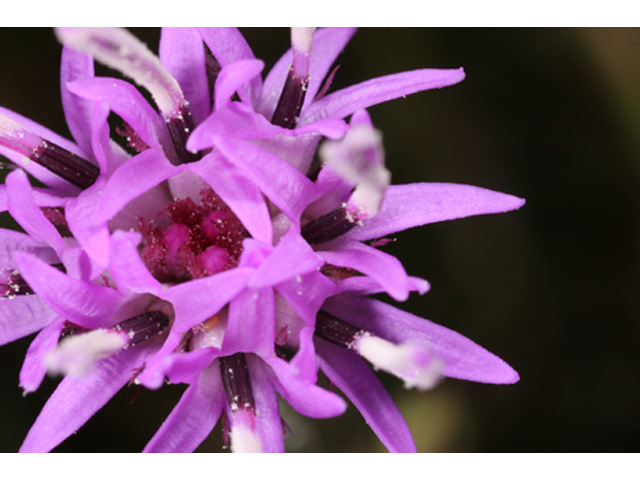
column 203, row 253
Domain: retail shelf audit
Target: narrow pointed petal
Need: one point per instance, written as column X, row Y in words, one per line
column 127, row 268
column 307, row 293
column 354, row 377
column 349, row 100
column 268, row 420
column 140, row 174
column 25, row 211
column 11, row 241
column 197, row 300
column 408, row 206
column 285, row 186
column 193, row 418
column 305, row 398
column 128, row 103
column 292, row 257
column 76, row 400
column 232, row 79
column 182, row 53
column 382, row 267
column 228, row 45
column 34, row 369
column 83, row 303
column 22, row 316
column 251, row 324
column 77, row 111
column 462, row 358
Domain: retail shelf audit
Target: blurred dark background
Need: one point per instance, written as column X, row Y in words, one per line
column 552, row 115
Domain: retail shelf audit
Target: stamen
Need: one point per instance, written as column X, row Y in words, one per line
column 180, row 127
column 142, row 327
column 237, row 382
column 413, row 363
column 329, row 226
column 79, row 349
column 120, row 50
column 57, row 160
column 13, row 284
column 294, row 91
column 336, row 331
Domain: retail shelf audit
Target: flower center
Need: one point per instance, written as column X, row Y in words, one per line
column 190, row 240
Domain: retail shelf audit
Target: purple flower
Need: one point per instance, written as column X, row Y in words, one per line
column 200, row 251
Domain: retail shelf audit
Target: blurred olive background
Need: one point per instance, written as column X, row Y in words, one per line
column 551, row 115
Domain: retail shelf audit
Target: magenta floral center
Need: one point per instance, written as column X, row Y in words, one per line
column 190, row 240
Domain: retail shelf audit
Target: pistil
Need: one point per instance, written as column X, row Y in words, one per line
column 57, row 160
column 329, row 226
column 294, row 91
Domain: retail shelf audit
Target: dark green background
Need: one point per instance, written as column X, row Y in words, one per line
column 552, row 115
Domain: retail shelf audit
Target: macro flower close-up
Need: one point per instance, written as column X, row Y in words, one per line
column 220, row 225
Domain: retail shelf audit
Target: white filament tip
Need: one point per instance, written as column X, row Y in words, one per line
column 76, row 355
column 412, row 363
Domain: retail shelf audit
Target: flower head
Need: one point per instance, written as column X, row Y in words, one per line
column 206, row 252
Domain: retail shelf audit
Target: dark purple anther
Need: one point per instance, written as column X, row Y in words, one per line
column 12, row 283
column 290, row 102
column 180, row 127
column 65, row 164
column 335, row 330
column 143, row 327
column 237, row 381
column 328, row 226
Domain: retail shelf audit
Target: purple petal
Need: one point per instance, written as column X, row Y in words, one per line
column 292, row 257
column 11, row 241
column 193, row 418
column 251, row 324
column 268, row 420
column 228, row 45
column 307, row 293
column 126, row 267
column 198, row 300
column 285, row 186
column 305, row 398
column 462, row 358
column 78, row 112
column 86, row 304
column 127, row 102
column 76, row 400
column 22, row 316
column 24, row 210
column 34, row 369
column 349, row 100
column 233, row 77
column 407, row 206
column 94, row 238
column 382, row 267
column 182, row 53
column 138, row 175
column 242, row 197
column 357, row 381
